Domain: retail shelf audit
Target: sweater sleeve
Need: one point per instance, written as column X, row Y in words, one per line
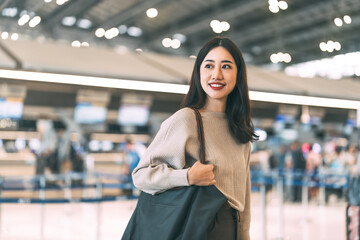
column 163, row 165
column 245, row 215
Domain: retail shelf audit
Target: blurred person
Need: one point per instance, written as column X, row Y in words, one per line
column 260, row 160
column 337, row 174
column 77, row 163
column 356, row 169
column 132, row 158
column 350, row 157
column 313, row 162
column 281, row 157
column 273, row 161
column 337, row 161
column 46, row 155
column 76, row 157
column 219, row 90
column 63, row 149
column 298, row 165
column 288, row 175
column 70, row 154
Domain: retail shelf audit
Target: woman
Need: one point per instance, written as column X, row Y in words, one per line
column 218, row 88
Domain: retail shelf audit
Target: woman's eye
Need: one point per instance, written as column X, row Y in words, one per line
column 226, row 66
column 208, row 66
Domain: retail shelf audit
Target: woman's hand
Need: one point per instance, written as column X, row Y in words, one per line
column 201, row 174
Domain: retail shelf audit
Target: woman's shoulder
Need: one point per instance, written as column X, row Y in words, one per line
column 183, row 116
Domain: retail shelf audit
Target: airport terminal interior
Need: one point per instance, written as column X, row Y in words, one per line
column 86, row 84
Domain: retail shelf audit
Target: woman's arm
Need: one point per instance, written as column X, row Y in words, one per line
column 162, row 166
column 245, row 216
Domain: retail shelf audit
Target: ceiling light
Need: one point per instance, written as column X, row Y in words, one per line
column 322, row 46
column 166, row 42
column 280, row 57
column 330, row 46
column 108, row 34
column 225, row 26
column 4, row 35
column 347, row 19
column 23, row 19
column 139, row 50
column 175, row 43
column 134, row 31
column 192, row 56
column 283, row 5
column 217, row 29
column 152, row 12
column 304, row 100
column 337, row 46
column 214, row 23
column 338, row 22
column 35, row 21
column 100, row 32
column 273, row 2
column 14, row 36
column 61, row 2
column 9, row 12
column 47, row 1
column 274, row 8
column 122, row 29
column 181, row 37
column 329, row 49
column 95, row 81
column 111, row 33
column 287, row 58
column 85, row 44
column 76, row 44
column 342, row 65
column 84, row 23
column 274, row 58
column 69, row 21
column 170, row 88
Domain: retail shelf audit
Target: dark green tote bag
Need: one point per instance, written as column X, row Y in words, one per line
column 176, row 214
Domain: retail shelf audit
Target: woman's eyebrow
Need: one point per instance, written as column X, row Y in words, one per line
column 223, row 61
column 227, row 61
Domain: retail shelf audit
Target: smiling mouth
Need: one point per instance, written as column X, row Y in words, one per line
column 216, row 86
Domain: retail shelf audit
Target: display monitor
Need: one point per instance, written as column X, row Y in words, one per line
column 11, row 108
column 133, row 115
column 87, row 113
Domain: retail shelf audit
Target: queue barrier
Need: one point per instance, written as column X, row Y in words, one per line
column 259, row 179
column 65, row 200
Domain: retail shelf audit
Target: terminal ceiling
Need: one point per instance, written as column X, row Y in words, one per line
column 257, row 31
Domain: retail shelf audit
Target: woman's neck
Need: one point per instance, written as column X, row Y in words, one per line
column 214, row 106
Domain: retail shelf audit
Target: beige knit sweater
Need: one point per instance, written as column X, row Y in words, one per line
column 175, row 148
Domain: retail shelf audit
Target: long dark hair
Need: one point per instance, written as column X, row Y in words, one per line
column 238, row 103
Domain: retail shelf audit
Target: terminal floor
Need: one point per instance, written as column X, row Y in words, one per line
column 107, row 221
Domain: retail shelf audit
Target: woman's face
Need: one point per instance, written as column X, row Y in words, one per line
column 218, row 74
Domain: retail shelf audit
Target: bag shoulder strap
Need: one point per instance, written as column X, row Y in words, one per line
column 200, row 135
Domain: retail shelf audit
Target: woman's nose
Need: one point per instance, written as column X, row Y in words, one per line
column 217, row 73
